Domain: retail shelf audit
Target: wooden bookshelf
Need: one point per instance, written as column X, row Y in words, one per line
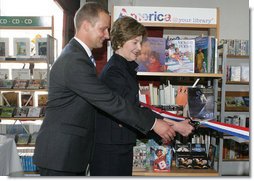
column 237, row 83
column 168, row 74
column 22, row 118
column 176, row 172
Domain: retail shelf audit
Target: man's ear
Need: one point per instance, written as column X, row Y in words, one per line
column 85, row 25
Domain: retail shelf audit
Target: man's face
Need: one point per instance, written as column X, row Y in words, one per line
column 98, row 32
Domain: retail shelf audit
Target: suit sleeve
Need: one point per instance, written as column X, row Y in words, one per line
column 81, row 78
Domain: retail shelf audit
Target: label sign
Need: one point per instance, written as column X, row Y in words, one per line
column 21, row 21
column 176, row 15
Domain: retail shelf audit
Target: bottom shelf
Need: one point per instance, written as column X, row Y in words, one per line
column 179, row 172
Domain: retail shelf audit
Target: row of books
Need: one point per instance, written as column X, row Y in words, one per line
column 179, row 56
column 194, row 156
column 19, row 99
column 14, row 129
column 22, row 112
column 23, row 84
column 236, row 47
column 234, row 150
column 26, row 158
column 238, row 73
column 238, row 120
column 23, row 74
column 21, row 47
column 149, row 154
column 198, row 101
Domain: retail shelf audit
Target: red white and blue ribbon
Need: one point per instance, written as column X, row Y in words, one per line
column 231, row 129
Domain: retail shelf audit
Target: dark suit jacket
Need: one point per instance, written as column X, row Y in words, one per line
column 120, row 76
column 66, row 138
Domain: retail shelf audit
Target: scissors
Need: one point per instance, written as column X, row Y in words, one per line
column 196, row 123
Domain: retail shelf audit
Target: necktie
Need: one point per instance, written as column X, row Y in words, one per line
column 93, row 60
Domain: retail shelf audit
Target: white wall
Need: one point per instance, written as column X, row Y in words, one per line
column 234, row 14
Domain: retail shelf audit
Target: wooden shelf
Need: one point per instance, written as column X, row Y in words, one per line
column 24, row 61
column 179, row 172
column 24, row 90
column 238, row 56
column 168, row 74
column 237, row 83
column 22, row 119
column 237, row 109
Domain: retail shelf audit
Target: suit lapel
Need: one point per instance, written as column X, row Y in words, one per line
column 76, row 44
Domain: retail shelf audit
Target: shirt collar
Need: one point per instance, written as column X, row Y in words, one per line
column 88, row 51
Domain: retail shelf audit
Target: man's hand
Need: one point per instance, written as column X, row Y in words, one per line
column 164, row 130
column 183, row 127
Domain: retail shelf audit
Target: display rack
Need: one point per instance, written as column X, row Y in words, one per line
column 241, row 165
column 36, row 25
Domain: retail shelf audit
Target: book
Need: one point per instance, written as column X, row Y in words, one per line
column 245, row 73
column 201, row 103
column 160, row 156
column 10, row 98
column 6, row 84
column 34, row 112
column 23, row 139
column 205, row 54
column 26, row 99
column 180, row 56
column 20, row 84
column 39, row 73
column 140, row 157
column 4, row 47
column 20, row 74
column 34, row 84
column 7, row 112
column 4, row 74
column 152, row 56
column 41, row 46
column 21, row 47
column 235, row 73
column 33, row 138
column 42, row 100
column 21, row 111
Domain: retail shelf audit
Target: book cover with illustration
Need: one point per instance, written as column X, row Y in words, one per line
column 4, row 74
column 205, row 54
column 152, row 55
column 180, row 56
column 7, row 112
column 10, row 98
column 6, row 84
column 201, row 103
column 20, row 74
column 21, row 111
column 34, row 112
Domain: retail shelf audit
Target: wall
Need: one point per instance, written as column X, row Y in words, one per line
column 234, row 14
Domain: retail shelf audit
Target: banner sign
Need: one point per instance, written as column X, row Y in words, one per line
column 169, row 15
column 25, row 21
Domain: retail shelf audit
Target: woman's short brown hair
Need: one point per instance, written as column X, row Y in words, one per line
column 124, row 29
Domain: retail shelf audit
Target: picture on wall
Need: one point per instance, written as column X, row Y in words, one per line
column 4, row 47
column 41, row 46
column 21, row 46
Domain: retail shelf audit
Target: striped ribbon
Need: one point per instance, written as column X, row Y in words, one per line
column 230, row 129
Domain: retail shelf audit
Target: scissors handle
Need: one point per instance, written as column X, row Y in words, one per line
column 195, row 124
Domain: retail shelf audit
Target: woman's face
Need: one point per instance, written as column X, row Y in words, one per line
column 131, row 49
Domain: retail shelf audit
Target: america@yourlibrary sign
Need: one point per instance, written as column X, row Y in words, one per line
column 25, row 21
column 176, row 15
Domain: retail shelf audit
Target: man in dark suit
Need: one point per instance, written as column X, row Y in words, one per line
column 65, row 142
